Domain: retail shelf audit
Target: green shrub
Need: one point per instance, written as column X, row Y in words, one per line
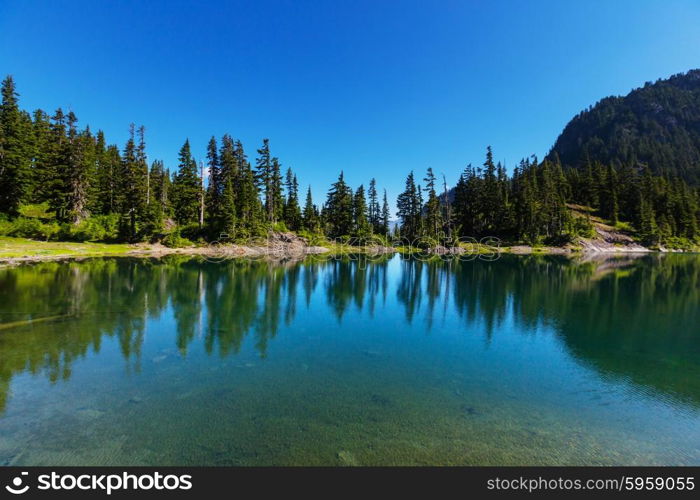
column 50, row 230
column 174, row 239
column 582, row 226
column 191, row 231
column 624, row 227
column 280, row 227
column 5, row 225
column 97, row 228
column 22, row 227
column 313, row 239
column 36, row 210
column 27, row 228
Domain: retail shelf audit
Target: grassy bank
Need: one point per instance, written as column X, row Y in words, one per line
column 17, row 248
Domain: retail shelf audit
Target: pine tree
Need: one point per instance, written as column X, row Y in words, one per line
column 15, row 154
column 250, row 212
column 409, row 209
column 108, row 197
column 41, row 156
column 608, row 197
column 54, row 191
column 95, row 189
column 490, row 201
column 292, row 212
column 158, row 207
column 447, row 208
column 433, row 210
column 186, row 188
column 228, row 177
column 309, row 215
column 276, row 195
column 264, row 179
column 338, row 212
column 80, row 174
column 132, row 188
column 648, row 229
column 228, row 161
column 373, row 209
column 384, row 227
column 214, row 192
column 362, row 228
column 142, row 165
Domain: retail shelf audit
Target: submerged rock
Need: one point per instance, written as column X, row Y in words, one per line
column 469, row 410
column 380, row 400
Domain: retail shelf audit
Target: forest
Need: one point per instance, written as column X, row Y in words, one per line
column 657, row 125
column 62, row 182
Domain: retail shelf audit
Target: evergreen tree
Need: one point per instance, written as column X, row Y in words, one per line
column 228, row 177
column 250, row 212
column 160, row 190
column 15, row 157
column 108, row 200
column 276, row 195
column 292, row 211
column 362, row 227
column 409, row 206
column 227, row 212
column 338, row 212
column 186, row 188
column 384, row 225
column 373, row 209
column 214, row 192
column 608, row 194
column 54, row 191
column 41, row 156
column 264, row 177
column 81, row 172
column 132, row 188
column 309, row 215
column 433, row 210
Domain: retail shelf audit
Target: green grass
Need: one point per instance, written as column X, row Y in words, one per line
column 11, row 248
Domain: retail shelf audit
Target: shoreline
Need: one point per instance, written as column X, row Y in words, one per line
column 57, row 251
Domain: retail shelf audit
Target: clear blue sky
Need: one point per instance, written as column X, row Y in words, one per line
column 374, row 88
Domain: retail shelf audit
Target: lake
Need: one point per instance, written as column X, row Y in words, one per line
column 526, row 360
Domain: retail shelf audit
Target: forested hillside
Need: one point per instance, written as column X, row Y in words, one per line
column 656, row 126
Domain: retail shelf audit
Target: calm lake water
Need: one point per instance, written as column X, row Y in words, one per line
column 525, row 360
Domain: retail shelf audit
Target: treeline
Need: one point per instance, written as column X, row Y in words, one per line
column 91, row 190
column 95, row 190
column 534, row 204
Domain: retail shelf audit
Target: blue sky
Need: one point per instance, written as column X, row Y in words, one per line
column 370, row 87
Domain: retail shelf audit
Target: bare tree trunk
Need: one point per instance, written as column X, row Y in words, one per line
column 201, row 194
column 448, row 208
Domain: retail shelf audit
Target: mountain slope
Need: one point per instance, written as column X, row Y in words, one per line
column 656, row 125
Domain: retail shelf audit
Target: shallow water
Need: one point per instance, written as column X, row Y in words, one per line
column 525, row 360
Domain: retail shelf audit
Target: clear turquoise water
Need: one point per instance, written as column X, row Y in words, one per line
column 525, row 360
